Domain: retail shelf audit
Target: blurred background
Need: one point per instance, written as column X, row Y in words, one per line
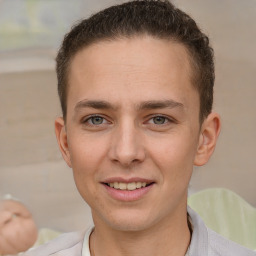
column 31, row 167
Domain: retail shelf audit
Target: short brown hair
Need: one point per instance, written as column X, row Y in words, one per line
column 157, row 18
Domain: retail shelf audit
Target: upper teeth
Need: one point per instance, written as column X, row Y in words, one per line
column 127, row 186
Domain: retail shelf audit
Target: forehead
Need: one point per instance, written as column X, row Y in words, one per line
column 137, row 51
column 136, row 67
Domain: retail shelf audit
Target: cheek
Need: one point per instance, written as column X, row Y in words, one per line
column 86, row 153
column 174, row 156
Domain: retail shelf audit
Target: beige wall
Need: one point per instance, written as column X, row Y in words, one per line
column 231, row 25
column 31, row 167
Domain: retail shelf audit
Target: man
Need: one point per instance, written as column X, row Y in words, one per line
column 136, row 88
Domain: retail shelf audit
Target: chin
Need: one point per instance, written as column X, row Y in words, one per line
column 129, row 220
column 129, row 226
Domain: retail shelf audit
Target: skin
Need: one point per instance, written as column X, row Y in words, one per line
column 135, row 137
column 18, row 231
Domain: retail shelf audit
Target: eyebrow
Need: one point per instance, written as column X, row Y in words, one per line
column 146, row 105
column 155, row 104
column 97, row 104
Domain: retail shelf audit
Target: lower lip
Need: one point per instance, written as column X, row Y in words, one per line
column 128, row 195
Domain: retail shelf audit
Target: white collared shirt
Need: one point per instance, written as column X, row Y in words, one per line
column 204, row 242
column 86, row 249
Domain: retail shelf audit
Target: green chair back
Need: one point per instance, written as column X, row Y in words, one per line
column 227, row 214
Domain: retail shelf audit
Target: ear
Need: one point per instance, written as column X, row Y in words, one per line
column 209, row 133
column 61, row 135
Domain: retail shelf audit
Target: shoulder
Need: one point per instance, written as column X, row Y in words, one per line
column 220, row 246
column 205, row 241
column 67, row 244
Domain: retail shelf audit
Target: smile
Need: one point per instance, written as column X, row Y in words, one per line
column 128, row 186
column 130, row 190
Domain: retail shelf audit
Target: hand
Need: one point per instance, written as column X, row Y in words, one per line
column 18, row 231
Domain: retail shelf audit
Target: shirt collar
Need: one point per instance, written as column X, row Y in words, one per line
column 199, row 241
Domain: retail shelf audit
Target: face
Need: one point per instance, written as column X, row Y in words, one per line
column 132, row 132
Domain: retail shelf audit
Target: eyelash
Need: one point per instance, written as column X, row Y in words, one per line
column 167, row 120
column 86, row 121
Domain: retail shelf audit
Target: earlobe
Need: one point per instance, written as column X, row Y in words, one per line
column 209, row 133
column 61, row 136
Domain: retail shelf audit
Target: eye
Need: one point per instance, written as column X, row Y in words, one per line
column 96, row 120
column 159, row 120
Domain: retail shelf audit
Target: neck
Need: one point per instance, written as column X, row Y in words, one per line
column 171, row 237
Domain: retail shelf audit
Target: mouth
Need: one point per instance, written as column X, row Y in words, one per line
column 128, row 185
column 127, row 190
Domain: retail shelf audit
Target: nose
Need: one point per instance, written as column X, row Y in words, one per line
column 127, row 145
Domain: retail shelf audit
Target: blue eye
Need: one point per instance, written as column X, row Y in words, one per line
column 96, row 120
column 159, row 120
